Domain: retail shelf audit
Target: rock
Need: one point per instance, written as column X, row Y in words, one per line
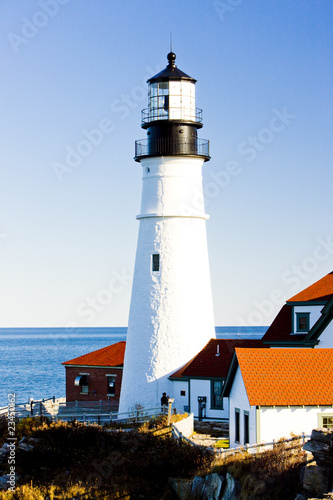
column 322, row 435
column 213, row 487
column 34, row 440
column 321, row 446
column 4, row 450
column 197, row 486
column 3, row 482
column 232, row 488
column 25, row 446
column 6, row 481
column 301, row 497
column 316, row 480
column 182, row 487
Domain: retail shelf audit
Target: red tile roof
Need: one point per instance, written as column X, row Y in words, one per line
column 281, row 328
column 112, row 355
column 282, row 377
column 321, row 290
column 207, row 364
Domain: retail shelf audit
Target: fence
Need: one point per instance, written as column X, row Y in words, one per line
column 47, row 407
column 220, row 452
column 100, row 412
column 261, row 446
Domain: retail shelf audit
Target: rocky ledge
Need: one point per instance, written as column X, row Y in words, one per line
column 317, row 475
column 211, row 487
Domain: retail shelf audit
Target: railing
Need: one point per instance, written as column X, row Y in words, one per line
column 225, row 451
column 164, row 146
column 171, row 113
column 83, row 411
column 47, row 407
column 100, row 413
column 258, row 446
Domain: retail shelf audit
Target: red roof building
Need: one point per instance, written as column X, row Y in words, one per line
column 274, row 393
column 287, row 377
column 96, row 376
column 322, row 290
column 197, row 386
column 214, row 359
column 305, row 320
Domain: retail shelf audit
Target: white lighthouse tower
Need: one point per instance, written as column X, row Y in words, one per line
column 171, row 313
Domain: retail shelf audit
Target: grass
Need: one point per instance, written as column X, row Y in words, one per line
column 72, row 460
column 100, row 462
column 269, row 475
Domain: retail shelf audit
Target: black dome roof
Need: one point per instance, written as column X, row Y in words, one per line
column 171, row 72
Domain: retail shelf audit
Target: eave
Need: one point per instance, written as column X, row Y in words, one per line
column 92, row 366
column 292, row 343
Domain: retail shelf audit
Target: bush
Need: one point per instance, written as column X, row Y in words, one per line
column 269, row 475
column 120, row 463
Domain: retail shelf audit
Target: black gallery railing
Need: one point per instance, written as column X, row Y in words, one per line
column 164, row 146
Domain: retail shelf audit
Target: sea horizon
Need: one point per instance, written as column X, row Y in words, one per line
column 31, row 358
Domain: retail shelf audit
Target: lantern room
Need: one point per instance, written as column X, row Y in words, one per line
column 171, row 119
column 171, row 96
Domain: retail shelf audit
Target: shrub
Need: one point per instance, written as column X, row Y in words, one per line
column 120, row 462
column 269, row 475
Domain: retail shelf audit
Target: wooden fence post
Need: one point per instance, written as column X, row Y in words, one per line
column 169, row 410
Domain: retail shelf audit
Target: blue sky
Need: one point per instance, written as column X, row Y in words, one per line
column 70, row 67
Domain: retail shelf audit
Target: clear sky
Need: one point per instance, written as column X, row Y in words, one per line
column 67, row 220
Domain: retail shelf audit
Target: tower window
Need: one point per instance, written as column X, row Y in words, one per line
column 156, row 262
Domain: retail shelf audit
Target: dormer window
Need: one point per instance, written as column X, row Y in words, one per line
column 302, row 322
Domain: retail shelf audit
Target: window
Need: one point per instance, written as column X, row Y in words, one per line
column 216, row 394
column 182, row 393
column 237, row 428
column 246, row 427
column 156, row 262
column 82, row 382
column 302, row 322
column 111, row 385
column 84, row 389
column 326, row 422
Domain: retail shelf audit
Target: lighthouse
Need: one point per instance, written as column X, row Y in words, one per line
column 171, row 313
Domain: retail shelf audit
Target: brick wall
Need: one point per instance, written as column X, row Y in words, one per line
column 97, row 384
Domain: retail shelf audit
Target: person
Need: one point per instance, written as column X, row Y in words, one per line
column 164, row 399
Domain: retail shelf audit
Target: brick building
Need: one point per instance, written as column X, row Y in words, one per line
column 96, row 376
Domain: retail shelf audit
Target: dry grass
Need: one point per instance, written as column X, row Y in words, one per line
column 269, row 475
column 103, row 463
column 77, row 491
column 89, row 462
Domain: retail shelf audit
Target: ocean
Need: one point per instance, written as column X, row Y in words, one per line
column 30, row 358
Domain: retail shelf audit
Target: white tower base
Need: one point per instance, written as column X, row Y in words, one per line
column 171, row 314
